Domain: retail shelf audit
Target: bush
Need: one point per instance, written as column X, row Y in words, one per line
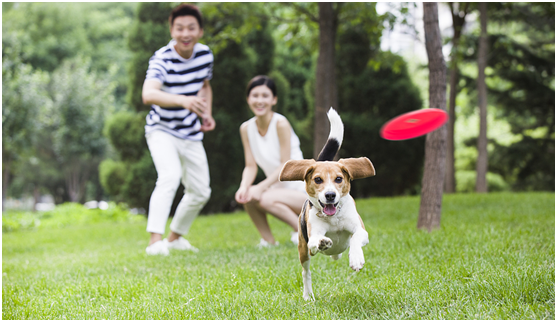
column 132, row 179
column 466, row 182
column 126, row 132
column 140, row 181
column 112, row 176
column 64, row 215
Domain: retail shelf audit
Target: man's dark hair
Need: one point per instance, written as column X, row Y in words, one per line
column 262, row 80
column 186, row 10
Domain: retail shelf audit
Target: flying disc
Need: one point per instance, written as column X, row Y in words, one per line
column 413, row 124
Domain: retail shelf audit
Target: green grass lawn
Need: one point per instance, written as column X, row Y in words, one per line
column 493, row 258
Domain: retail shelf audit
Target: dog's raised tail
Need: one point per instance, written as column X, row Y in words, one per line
column 335, row 137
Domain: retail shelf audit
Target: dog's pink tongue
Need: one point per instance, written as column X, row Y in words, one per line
column 329, row 209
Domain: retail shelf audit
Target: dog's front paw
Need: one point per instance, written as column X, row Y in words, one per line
column 325, row 243
column 357, row 260
column 315, row 246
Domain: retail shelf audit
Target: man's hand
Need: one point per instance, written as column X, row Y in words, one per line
column 207, row 123
column 198, row 105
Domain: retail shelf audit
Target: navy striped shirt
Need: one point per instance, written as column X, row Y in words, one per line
column 178, row 76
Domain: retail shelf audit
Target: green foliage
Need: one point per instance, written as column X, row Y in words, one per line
column 76, row 119
column 149, row 32
column 24, row 91
column 521, row 84
column 112, row 175
column 81, row 98
column 369, row 97
column 140, row 181
column 64, row 61
column 466, row 182
column 126, row 132
column 132, row 176
column 66, row 215
column 49, row 33
column 233, row 69
column 226, row 22
column 492, row 259
column 294, row 74
column 132, row 181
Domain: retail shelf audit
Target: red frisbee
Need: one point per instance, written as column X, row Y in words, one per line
column 413, row 124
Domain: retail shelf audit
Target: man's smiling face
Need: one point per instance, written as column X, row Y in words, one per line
column 186, row 31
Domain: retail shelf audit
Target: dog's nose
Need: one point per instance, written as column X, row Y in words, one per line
column 330, row 196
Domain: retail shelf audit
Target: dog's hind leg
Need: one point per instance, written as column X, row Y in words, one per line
column 303, row 252
column 306, row 277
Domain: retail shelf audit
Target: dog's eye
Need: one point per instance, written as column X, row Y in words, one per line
column 338, row 180
column 318, row 180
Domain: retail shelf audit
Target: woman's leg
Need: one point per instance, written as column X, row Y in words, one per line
column 284, row 204
column 259, row 217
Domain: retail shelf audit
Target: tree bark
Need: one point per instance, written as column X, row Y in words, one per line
column 76, row 177
column 36, row 197
column 481, row 164
column 436, row 142
column 459, row 19
column 5, row 181
column 325, row 80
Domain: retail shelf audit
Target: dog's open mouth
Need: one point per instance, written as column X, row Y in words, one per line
column 329, row 209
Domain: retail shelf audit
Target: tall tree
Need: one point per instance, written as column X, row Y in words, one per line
column 23, row 91
column 80, row 98
column 458, row 11
column 521, row 90
column 436, row 142
column 481, row 164
column 325, row 78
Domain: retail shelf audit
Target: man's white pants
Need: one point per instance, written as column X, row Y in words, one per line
column 177, row 159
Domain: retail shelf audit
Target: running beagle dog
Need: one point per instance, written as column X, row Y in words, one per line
column 329, row 222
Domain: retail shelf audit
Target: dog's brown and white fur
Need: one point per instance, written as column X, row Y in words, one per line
column 329, row 222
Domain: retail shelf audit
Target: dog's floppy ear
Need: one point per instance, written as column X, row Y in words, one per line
column 358, row 168
column 295, row 170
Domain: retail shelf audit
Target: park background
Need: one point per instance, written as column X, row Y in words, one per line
column 72, row 135
column 73, row 117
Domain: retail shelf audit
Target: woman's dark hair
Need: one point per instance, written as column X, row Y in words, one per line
column 262, row 80
column 186, row 10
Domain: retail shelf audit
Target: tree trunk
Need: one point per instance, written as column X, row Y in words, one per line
column 481, row 164
column 5, row 182
column 436, row 142
column 36, row 197
column 450, row 179
column 325, row 80
column 459, row 18
column 77, row 175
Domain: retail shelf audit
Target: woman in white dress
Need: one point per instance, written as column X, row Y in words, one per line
column 269, row 141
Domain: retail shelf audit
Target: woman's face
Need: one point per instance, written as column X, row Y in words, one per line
column 261, row 100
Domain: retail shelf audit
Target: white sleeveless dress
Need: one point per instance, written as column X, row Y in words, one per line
column 266, row 151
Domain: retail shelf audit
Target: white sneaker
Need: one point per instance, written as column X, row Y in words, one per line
column 181, row 244
column 265, row 244
column 294, row 237
column 157, row 248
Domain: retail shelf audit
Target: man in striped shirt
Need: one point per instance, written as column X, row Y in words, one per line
column 177, row 87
